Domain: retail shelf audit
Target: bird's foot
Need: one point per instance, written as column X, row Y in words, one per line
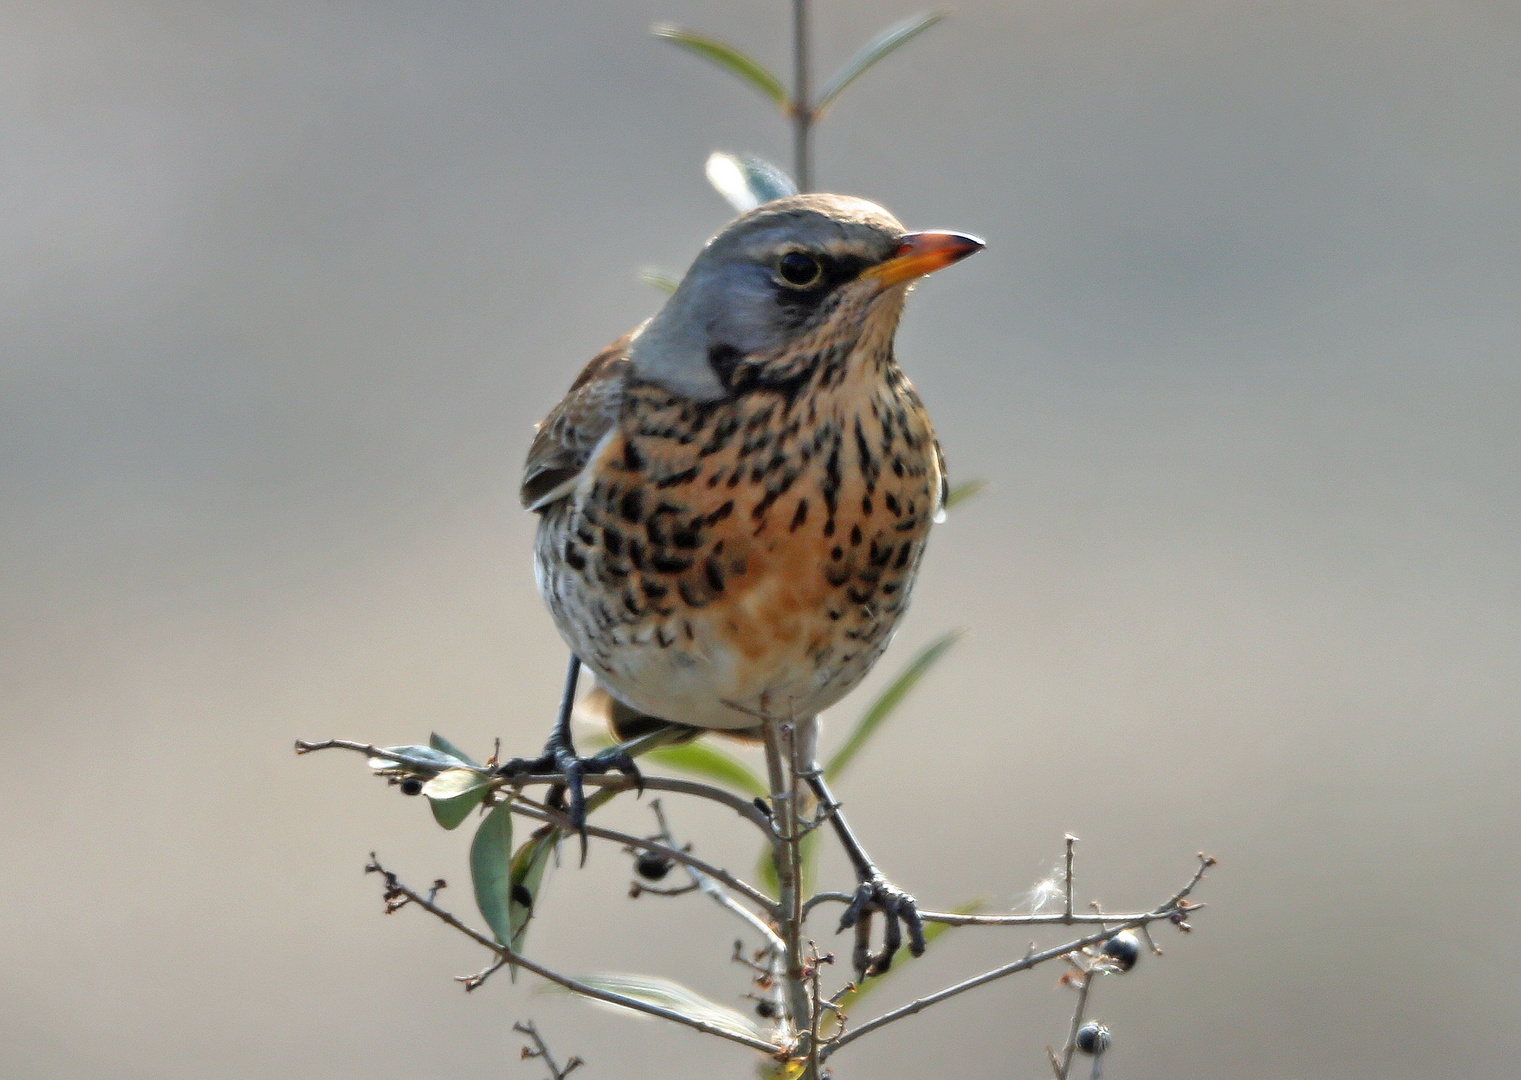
column 569, row 795
column 876, row 894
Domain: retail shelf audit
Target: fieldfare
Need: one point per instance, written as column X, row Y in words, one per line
column 735, row 495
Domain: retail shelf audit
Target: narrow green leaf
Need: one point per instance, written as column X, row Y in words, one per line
column 959, row 494
column 887, row 701
column 669, row 995
column 454, row 793
column 418, row 759
column 659, row 279
column 527, row 876
column 491, row 871
column 729, row 58
column 700, row 759
column 746, row 180
column 438, row 742
column 894, row 36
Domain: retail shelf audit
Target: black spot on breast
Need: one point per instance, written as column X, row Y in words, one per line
column 631, row 506
column 722, row 512
column 573, row 557
column 685, row 476
column 715, row 574
column 632, row 460
column 664, row 564
column 653, row 590
column 612, row 540
column 800, row 516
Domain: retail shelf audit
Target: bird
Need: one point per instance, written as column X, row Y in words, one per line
column 734, row 496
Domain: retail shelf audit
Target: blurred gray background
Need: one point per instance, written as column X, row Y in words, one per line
column 287, row 285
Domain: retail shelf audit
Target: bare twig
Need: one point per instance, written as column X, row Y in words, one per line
column 706, row 882
column 1085, row 986
column 1067, row 888
column 782, row 776
column 957, row 918
column 740, row 805
column 541, row 1051
column 540, row 812
column 1172, row 910
column 396, row 890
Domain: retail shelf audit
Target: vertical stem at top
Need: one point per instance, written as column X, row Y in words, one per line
column 802, row 107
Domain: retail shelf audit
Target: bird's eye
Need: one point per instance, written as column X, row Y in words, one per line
column 799, row 269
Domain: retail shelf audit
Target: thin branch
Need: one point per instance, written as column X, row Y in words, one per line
column 740, row 805
column 956, row 918
column 1077, row 1022
column 706, row 883
column 1173, row 910
column 542, row 813
column 394, row 888
column 1067, row 890
column 542, row 1052
column 784, row 792
column 801, row 106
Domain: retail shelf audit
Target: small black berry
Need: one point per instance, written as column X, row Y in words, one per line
column 1124, row 949
column 411, row 786
column 1093, row 1038
column 652, row 866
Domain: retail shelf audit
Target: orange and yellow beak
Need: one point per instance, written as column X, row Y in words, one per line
column 923, row 253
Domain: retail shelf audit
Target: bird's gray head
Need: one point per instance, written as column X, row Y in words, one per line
column 759, row 283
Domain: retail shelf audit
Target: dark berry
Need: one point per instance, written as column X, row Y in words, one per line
column 652, row 866
column 1124, row 949
column 411, row 786
column 1093, row 1038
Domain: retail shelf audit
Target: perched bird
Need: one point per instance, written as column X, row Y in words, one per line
column 735, row 495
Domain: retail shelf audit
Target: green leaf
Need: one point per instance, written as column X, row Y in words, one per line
column 887, row 701
column 527, row 876
column 491, row 871
column 729, row 58
column 660, row 279
column 746, row 180
column 894, row 36
column 454, row 793
column 675, row 997
column 438, row 742
column 708, row 761
column 959, row 494
column 418, row 759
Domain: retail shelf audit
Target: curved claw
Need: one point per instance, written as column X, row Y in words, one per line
column 897, row 907
column 569, row 796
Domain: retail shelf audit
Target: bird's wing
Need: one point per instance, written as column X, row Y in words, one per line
column 570, row 433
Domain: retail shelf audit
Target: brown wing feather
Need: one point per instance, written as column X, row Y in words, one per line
column 570, row 433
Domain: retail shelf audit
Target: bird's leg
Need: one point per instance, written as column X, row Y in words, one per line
column 560, row 756
column 873, row 893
